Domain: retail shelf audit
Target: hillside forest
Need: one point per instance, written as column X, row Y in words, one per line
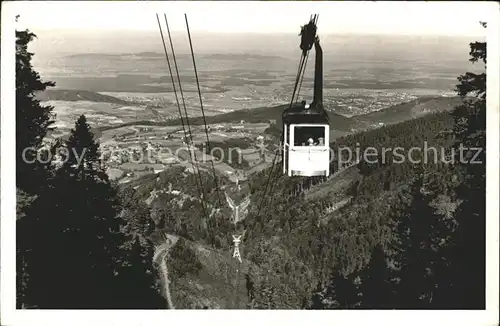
column 411, row 236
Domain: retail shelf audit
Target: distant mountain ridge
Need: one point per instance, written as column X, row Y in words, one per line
column 283, row 44
column 412, row 109
column 241, row 56
column 339, row 123
column 155, row 55
column 265, row 114
column 77, row 95
column 390, row 115
column 98, row 55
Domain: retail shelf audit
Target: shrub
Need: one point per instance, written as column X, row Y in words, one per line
column 183, row 260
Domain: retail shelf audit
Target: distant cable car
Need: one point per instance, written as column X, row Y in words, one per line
column 306, row 131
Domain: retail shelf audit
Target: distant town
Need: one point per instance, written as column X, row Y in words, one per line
column 131, row 152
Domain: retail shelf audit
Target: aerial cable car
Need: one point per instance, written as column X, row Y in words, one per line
column 306, row 127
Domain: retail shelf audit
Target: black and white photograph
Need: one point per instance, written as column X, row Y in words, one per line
column 293, row 156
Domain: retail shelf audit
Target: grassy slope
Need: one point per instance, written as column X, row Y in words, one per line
column 214, row 285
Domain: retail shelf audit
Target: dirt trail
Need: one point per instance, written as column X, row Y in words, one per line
column 160, row 257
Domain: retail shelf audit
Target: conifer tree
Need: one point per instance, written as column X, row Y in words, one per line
column 319, row 299
column 375, row 282
column 89, row 257
column 410, row 248
column 78, row 217
column 421, row 251
column 33, row 122
column 468, row 279
column 342, row 292
column 143, row 291
column 83, row 157
column 136, row 214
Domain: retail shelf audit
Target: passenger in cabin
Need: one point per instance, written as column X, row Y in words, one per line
column 310, row 142
column 321, row 141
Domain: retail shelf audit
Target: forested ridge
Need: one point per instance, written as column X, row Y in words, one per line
column 80, row 242
column 412, row 235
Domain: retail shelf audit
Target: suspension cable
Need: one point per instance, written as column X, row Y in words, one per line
column 302, row 77
column 202, row 109
column 198, row 186
column 171, row 75
column 263, row 196
column 195, row 160
column 299, row 72
column 204, row 121
column 297, row 78
column 298, row 83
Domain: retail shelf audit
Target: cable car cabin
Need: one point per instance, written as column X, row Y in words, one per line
column 306, row 128
column 306, row 150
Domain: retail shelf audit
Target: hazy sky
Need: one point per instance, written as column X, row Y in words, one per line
column 417, row 18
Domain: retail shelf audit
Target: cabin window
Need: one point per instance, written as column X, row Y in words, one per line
column 309, row 136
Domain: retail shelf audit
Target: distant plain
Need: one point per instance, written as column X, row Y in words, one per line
column 362, row 73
